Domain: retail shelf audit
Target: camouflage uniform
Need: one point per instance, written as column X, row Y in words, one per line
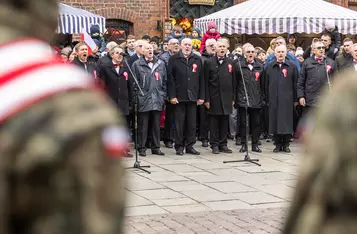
column 57, row 174
column 326, row 194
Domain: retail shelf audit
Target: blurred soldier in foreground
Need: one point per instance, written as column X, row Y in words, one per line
column 60, row 139
column 326, row 194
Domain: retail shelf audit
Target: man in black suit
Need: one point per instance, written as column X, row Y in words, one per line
column 186, row 90
column 115, row 76
column 220, row 81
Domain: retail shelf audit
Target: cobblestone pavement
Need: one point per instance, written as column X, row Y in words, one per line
column 201, row 194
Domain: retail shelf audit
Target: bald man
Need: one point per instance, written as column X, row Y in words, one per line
column 280, row 83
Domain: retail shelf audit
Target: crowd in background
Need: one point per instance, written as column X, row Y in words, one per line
column 195, row 88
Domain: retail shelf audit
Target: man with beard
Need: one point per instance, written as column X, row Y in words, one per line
column 61, row 140
column 280, row 94
column 220, row 78
column 315, row 74
column 186, row 90
column 345, row 60
column 174, row 48
column 152, row 77
column 250, row 77
column 118, row 84
column 204, row 122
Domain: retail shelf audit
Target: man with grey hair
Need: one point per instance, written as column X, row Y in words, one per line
column 204, row 122
column 152, row 77
column 220, row 81
column 315, row 74
column 354, row 55
column 106, row 58
column 174, row 48
column 289, row 56
column 138, row 52
column 280, row 94
column 186, row 90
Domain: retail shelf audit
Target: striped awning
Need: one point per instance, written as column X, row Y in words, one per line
column 72, row 20
column 280, row 16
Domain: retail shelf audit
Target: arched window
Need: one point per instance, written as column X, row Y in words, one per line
column 117, row 30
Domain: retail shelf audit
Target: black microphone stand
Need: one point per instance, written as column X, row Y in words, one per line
column 246, row 157
column 327, row 75
column 136, row 101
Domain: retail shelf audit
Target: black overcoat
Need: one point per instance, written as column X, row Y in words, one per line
column 220, row 80
column 185, row 78
column 118, row 86
column 254, row 84
column 280, row 94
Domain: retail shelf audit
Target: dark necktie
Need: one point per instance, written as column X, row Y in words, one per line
column 116, row 65
column 220, row 58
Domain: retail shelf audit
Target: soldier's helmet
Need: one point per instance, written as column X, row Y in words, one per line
column 32, row 18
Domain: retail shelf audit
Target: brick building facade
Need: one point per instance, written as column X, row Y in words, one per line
column 142, row 17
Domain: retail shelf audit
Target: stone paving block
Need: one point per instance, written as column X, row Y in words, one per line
column 186, row 208
column 229, row 173
column 210, row 166
column 195, row 173
column 143, row 183
column 230, row 187
column 182, row 168
column 257, row 198
column 253, row 179
column 278, row 176
column 208, row 195
column 159, row 194
column 227, row 205
column 174, row 202
column 212, row 178
column 135, row 200
column 278, row 190
column 144, row 210
column 184, row 186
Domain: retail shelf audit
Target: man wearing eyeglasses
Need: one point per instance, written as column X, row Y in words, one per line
column 174, row 48
column 329, row 48
column 315, row 74
column 138, row 52
column 250, row 77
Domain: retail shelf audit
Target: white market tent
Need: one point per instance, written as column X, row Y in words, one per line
column 72, row 20
column 280, row 16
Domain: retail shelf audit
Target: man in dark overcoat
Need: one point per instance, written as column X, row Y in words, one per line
column 280, row 93
column 169, row 130
column 115, row 76
column 220, row 81
column 186, row 90
column 152, row 77
column 315, row 73
column 252, row 79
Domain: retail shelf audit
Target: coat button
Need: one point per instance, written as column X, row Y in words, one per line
column 188, row 78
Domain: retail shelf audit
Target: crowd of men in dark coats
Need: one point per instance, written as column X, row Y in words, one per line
column 203, row 91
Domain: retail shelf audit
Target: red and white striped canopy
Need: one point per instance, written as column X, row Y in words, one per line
column 281, row 16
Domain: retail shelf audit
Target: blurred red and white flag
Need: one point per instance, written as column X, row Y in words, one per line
column 88, row 40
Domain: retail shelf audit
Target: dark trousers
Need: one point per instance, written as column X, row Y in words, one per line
column 219, row 130
column 204, row 123
column 265, row 120
column 254, row 120
column 185, row 124
column 282, row 140
column 169, row 129
column 297, row 116
column 143, row 128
